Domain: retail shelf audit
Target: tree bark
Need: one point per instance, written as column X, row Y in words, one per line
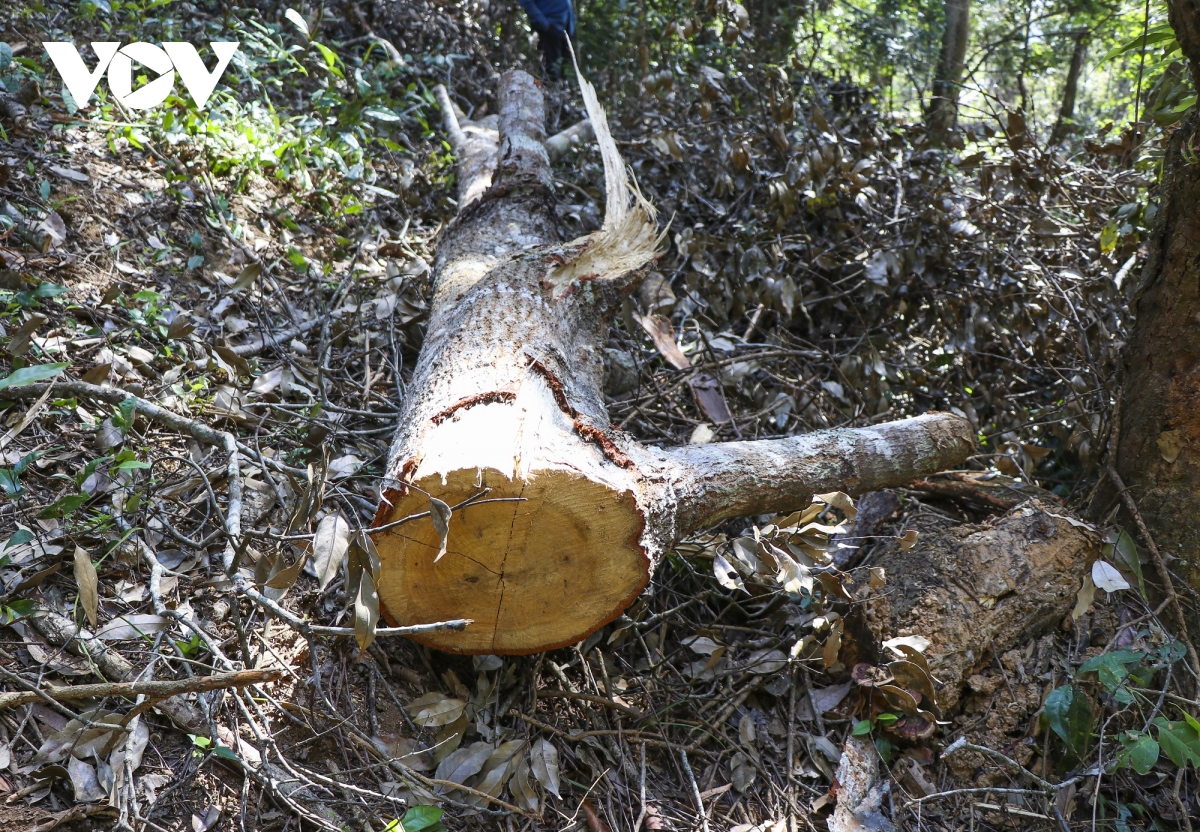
column 1065, row 123
column 566, row 517
column 943, row 104
column 1157, row 447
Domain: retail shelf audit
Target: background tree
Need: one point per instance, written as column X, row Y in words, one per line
column 1156, row 435
column 943, row 102
column 1066, row 111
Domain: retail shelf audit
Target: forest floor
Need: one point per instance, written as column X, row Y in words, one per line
column 222, row 306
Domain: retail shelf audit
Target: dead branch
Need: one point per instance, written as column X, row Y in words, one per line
column 563, row 141
column 155, row 691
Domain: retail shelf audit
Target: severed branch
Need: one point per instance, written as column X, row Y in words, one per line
column 736, row 479
column 474, row 143
column 506, row 395
column 155, row 691
column 574, row 136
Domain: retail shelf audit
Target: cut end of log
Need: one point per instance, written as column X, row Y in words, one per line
column 537, row 572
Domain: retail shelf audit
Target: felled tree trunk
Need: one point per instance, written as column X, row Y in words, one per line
column 571, row 516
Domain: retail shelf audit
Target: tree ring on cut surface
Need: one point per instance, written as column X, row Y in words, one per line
column 536, row 573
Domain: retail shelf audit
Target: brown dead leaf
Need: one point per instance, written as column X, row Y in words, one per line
column 434, row 710
column 245, row 278
column 285, row 578
column 1084, row 598
column 330, row 544
column 366, row 612
column 521, row 786
column 464, row 763
column 595, row 824
column 88, row 583
column 662, row 334
column 22, row 336
column 833, row 644
column 543, row 759
column 98, row 374
column 1170, row 444
column 439, row 513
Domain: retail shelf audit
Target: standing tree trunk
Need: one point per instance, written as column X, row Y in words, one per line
column 943, row 103
column 1157, row 454
column 1065, row 124
column 546, row 522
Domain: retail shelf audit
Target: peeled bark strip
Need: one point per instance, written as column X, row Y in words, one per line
column 506, row 399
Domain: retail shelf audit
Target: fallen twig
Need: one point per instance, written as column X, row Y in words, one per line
column 155, row 690
column 242, row 587
column 595, row 700
column 266, row 342
column 961, row 744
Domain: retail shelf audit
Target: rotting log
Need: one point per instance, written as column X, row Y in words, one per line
column 505, row 400
column 977, row 591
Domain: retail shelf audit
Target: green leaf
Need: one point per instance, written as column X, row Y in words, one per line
column 1112, row 669
column 195, row 261
column 28, row 375
column 67, row 505
column 380, row 114
column 6, row 56
column 9, row 483
column 1179, row 741
column 1191, row 720
column 15, row 609
column 1069, row 714
column 1108, row 237
column 886, row 719
column 48, row 290
column 1155, row 34
column 1141, row 752
column 297, row 20
column 225, row 752
column 887, row 751
column 24, row 462
column 1119, row 548
column 861, row 728
column 20, row 536
column 124, row 415
column 331, row 58
column 420, row 818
